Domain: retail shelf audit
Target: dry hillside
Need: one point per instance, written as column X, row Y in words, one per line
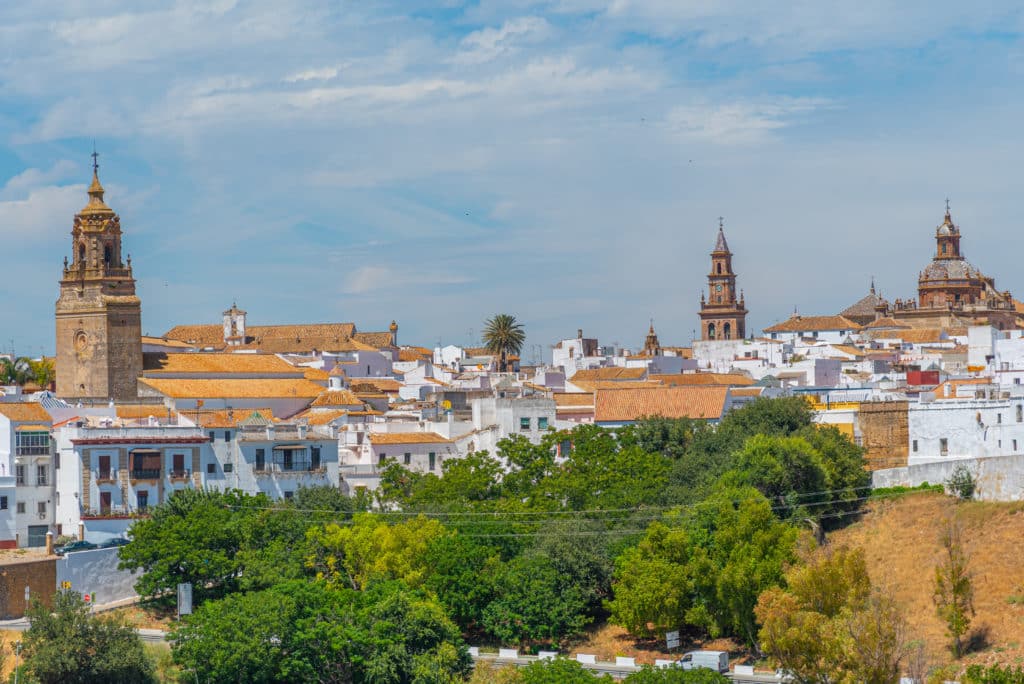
column 901, row 541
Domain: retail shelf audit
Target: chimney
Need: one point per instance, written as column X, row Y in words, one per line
column 302, row 431
column 270, row 432
column 579, row 333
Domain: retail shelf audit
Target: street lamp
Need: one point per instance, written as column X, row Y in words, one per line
column 17, row 652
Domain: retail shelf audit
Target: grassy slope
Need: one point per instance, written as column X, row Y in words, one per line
column 901, row 541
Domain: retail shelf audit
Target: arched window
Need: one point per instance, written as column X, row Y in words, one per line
column 711, row 331
column 944, row 247
column 107, row 254
column 727, row 331
column 719, row 269
column 81, row 253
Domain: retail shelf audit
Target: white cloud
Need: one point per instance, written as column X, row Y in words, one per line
column 43, row 215
column 322, row 74
column 32, row 179
column 491, row 43
column 741, row 122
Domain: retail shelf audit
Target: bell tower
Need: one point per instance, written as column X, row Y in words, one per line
column 99, row 316
column 723, row 315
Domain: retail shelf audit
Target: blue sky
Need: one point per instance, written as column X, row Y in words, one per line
column 561, row 160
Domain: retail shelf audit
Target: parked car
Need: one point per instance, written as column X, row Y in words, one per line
column 113, row 541
column 713, row 660
column 80, row 545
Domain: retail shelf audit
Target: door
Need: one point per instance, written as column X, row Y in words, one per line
column 179, row 465
column 143, row 499
column 104, row 503
column 37, row 535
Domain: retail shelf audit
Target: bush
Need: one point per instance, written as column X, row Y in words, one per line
column 976, row 674
column 962, row 483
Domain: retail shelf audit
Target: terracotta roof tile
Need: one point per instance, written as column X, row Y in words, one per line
column 138, row 411
column 154, row 363
column 221, row 388
column 376, row 340
column 594, row 385
column 376, row 385
column 224, row 418
column 813, row 324
column 336, row 398
column 315, row 373
column 669, row 402
column 612, row 373
column 573, row 399
column 23, row 412
column 682, row 379
column 382, row 438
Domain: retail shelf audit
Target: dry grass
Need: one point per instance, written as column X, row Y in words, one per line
column 608, row 641
column 147, row 616
column 900, row 539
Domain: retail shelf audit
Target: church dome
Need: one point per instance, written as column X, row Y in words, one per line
column 947, row 227
column 949, row 269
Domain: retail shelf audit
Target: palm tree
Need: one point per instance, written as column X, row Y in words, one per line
column 503, row 337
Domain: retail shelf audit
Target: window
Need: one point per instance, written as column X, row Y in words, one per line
column 229, row 467
column 381, row 458
column 432, row 458
column 227, row 435
column 42, row 475
column 178, row 465
column 1020, row 411
column 103, row 469
column 314, row 458
column 3, row 503
column 42, row 508
column 20, row 506
column 289, row 495
column 19, row 474
column 36, row 443
column 211, row 468
column 944, row 446
column 407, row 458
column 1015, row 445
column 915, row 446
column 56, row 460
column 261, row 459
column 524, row 424
column 213, row 435
column 999, row 418
column 143, row 499
column 146, row 464
column 542, row 423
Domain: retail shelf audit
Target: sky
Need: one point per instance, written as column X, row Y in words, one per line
column 565, row 161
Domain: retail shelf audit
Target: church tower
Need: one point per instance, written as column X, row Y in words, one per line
column 99, row 317
column 723, row 316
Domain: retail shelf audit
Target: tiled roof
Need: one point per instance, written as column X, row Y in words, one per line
column 865, row 308
column 813, row 324
column 849, row 349
column 920, row 335
column 376, row 340
column 594, row 385
column 747, row 391
column 885, row 322
column 668, row 402
column 612, row 373
column 221, row 388
column 376, row 385
column 271, row 338
column 177, row 344
column 573, row 399
column 225, row 418
column 23, row 412
column 137, row 411
column 940, row 389
column 382, row 438
column 321, row 417
column 683, row 379
column 336, row 398
column 415, row 354
column 315, row 373
column 154, row 363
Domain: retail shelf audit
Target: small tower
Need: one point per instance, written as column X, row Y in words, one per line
column 652, row 347
column 234, row 326
column 723, row 315
column 394, row 333
column 98, row 315
column 947, row 238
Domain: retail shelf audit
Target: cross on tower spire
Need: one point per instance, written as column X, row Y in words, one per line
column 95, row 158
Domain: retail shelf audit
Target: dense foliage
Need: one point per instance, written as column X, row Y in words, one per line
column 66, row 644
column 664, row 525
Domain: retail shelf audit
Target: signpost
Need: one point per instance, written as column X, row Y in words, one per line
column 184, row 599
column 672, row 640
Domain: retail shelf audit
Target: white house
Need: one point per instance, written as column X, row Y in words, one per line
column 965, row 421
column 26, row 475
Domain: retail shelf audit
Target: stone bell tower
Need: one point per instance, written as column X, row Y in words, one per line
column 99, row 317
column 723, row 315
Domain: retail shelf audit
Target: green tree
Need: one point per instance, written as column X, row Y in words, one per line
column 42, row 372
column 462, row 575
column 66, row 644
column 304, row 631
column 371, row 548
column 828, row 625
column 465, row 482
column 993, row 674
column 650, row 675
column 559, row 671
column 962, row 483
column 953, row 593
column 195, row 536
column 503, row 337
column 535, row 602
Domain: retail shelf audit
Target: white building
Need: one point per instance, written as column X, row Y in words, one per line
column 970, row 421
column 26, row 475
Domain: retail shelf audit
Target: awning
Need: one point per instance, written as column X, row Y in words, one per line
column 289, row 447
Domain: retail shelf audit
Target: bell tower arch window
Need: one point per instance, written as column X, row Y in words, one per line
column 107, row 255
column 727, row 331
column 711, row 331
column 81, row 253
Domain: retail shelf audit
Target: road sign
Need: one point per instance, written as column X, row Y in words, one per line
column 65, row 585
column 672, row 639
column 87, row 598
column 184, row 599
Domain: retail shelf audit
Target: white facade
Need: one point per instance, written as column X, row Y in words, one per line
column 527, row 416
column 9, row 523
column 954, row 428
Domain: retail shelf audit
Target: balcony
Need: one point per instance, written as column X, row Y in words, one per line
column 180, row 474
column 107, row 475
column 33, row 451
column 150, row 474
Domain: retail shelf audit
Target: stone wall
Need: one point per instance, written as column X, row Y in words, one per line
column 885, row 433
column 39, row 575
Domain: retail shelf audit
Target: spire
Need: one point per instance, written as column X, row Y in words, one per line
column 721, row 245
column 872, row 284
column 96, row 204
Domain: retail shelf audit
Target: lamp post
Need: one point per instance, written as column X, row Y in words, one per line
column 17, row 652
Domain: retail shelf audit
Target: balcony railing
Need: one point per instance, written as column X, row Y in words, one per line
column 153, row 474
column 33, row 451
column 105, row 475
column 180, row 474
